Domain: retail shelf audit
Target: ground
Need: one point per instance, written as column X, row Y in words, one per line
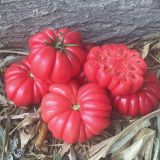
column 22, row 133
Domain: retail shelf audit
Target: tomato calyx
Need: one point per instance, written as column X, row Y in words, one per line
column 59, row 43
column 76, row 107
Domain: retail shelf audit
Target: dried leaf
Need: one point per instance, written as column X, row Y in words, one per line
column 145, row 50
column 157, row 141
column 156, row 149
column 85, row 151
column 131, row 152
column 156, row 59
column 6, row 137
column 148, row 135
column 148, row 149
column 96, row 148
column 22, row 116
column 27, row 121
column 58, row 157
column 128, row 136
column 101, row 149
column 3, row 101
column 72, row 155
column 121, row 149
column 118, row 128
column 1, row 138
column 25, row 137
column 65, row 148
column 8, row 60
column 151, row 36
column 13, row 51
column 156, row 45
column 116, row 142
column 144, row 132
column 158, row 126
column 9, row 157
column 142, row 145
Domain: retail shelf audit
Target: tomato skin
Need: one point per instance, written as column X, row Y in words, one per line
column 21, row 87
column 88, row 47
column 81, row 78
column 115, row 67
column 59, row 65
column 143, row 101
column 76, row 124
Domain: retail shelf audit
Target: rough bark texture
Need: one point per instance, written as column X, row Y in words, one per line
column 97, row 20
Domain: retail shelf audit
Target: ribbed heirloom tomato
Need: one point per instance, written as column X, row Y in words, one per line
column 21, row 86
column 143, row 101
column 76, row 114
column 116, row 67
column 56, row 54
column 81, row 78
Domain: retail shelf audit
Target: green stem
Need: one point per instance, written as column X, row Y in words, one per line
column 59, row 43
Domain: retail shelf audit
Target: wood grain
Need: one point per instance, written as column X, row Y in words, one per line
column 99, row 21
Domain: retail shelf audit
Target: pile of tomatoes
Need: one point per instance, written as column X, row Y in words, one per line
column 78, row 84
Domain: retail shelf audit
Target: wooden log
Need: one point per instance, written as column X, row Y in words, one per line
column 99, row 21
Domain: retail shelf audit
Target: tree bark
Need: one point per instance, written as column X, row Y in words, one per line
column 98, row 21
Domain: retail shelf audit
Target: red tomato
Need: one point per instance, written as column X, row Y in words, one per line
column 81, row 78
column 116, row 67
column 143, row 101
column 58, row 54
column 21, row 86
column 76, row 114
column 88, row 47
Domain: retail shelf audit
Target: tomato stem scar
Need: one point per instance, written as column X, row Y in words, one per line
column 76, row 107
